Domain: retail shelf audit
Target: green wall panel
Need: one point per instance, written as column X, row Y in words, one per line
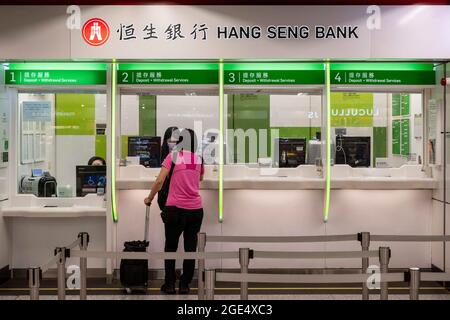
column 249, row 111
column 147, row 115
column 75, row 114
column 379, row 143
column 123, row 147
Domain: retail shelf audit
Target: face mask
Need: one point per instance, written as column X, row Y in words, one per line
column 171, row 145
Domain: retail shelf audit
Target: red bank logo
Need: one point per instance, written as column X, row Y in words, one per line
column 95, row 32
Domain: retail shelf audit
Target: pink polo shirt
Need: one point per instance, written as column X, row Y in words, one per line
column 185, row 183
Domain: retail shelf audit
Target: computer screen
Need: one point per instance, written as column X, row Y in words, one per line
column 148, row 149
column 291, row 152
column 90, row 179
column 354, row 151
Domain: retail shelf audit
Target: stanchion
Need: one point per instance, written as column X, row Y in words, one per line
column 244, row 260
column 84, row 240
column 414, row 283
column 61, row 266
column 384, row 255
column 34, row 277
column 364, row 238
column 201, row 244
column 210, row 280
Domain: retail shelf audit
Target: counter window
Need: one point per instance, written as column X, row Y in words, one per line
column 62, row 144
column 377, row 130
column 274, row 129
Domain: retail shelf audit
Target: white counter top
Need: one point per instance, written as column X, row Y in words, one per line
column 53, row 212
column 288, row 183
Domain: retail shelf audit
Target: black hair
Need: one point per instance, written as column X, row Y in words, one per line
column 188, row 140
column 91, row 160
column 164, row 146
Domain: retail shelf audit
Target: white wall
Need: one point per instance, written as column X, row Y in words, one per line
column 129, row 115
column 295, row 110
column 33, row 240
column 257, row 212
column 200, row 113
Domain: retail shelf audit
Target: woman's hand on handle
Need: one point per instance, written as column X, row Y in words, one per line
column 147, row 201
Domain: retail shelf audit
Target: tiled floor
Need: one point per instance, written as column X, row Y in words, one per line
column 235, row 297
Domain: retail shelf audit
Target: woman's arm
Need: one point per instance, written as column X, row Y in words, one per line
column 157, row 185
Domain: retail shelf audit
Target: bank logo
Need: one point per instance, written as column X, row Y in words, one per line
column 95, row 32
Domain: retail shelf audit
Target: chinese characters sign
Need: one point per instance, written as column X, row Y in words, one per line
column 150, row 31
column 382, row 74
column 274, row 74
column 170, row 73
column 56, row 74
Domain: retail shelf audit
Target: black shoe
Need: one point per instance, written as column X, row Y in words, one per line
column 183, row 290
column 168, row 289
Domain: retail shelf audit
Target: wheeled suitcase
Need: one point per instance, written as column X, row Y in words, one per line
column 134, row 272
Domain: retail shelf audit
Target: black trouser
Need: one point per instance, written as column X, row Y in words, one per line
column 177, row 221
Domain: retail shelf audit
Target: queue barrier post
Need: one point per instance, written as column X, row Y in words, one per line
column 364, row 238
column 414, row 283
column 84, row 240
column 201, row 245
column 244, row 260
column 61, row 270
column 210, row 280
column 384, row 256
column 34, row 278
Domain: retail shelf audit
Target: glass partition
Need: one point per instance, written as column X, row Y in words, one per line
column 377, row 129
column 273, row 127
column 61, row 143
column 379, row 114
column 273, row 118
column 145, row 117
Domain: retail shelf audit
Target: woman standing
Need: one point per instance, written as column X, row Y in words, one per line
column 183, row 213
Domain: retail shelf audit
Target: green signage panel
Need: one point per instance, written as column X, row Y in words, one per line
column 56, row 74
column 396, row 131
column 395, row 104
column 404, row 105
column 274, row 74
column 55, row 77
column 405, row 137
column 167, row 77
column 383, row 74
column 168, row 73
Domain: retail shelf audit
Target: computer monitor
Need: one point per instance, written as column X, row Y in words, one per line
column 148, row 149
column 291, row 152
column 354, row 151
column 90, row 179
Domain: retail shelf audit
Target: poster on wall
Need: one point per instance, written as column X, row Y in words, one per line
column 39, row 111
column 352, row 109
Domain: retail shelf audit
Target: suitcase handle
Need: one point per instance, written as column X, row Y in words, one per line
column 147, row 222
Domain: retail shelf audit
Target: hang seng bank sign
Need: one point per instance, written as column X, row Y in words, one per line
column 158, row 32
